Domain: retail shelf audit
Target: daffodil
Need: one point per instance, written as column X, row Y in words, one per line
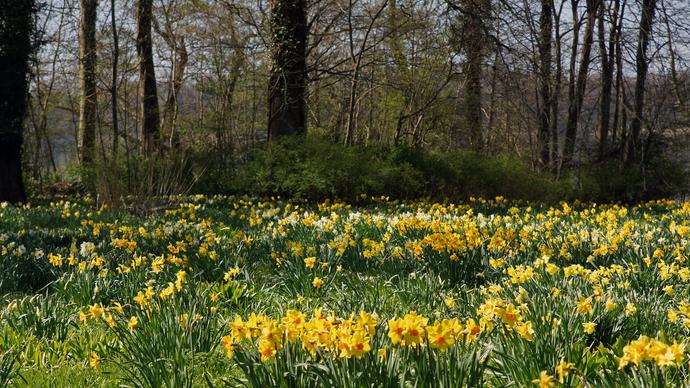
column 132, row 323
column 545, row 380
column 563, row 369
column 309, row 262
column 94, row 360
column 589, row 327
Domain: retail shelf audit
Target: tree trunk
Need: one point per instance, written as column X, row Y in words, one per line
column 607, row 61
column 491, row 119
column 677, row 82
column 148, row 91
column 350, row 124
column 401, row 71
column 16, row 26
column 180, row 58
column 356, row 59
column 578, row 95
column 176, row 80
column 113, row 87
column 556, row 92
column 546, row 99
column 572, row 79
column 473, row 44
column 641, row 66
column 287, row 84
column 618, row 56
column 87, row 78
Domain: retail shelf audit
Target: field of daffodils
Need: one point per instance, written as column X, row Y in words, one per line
column 233, row 291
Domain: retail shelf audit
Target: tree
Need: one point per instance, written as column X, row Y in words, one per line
column 472, row 36
column 16, row 28
column 641, row 67
column 578, row 82
column 113, row 87
column 607, row 54
column 556, row 89
column 175, row 40
column 475, row 13
column 287, row 84
column 87, row 80
column 148, row 91
column 545, row 81
column 356, row 57
column 619, row 112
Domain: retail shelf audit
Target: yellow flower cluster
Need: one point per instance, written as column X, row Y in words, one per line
column 231, row 274
column 328, row 334
column 169, row 291
column 650, row 349
column 413, row 330
column 99, row 312
column 145, row 296
column 545, row 380
column 498, row 311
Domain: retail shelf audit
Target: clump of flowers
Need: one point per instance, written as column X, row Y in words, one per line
column 339, row 337
column 649, row 349
column 414, row 330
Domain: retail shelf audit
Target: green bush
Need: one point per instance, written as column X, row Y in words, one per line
column 610, row 180
column 315, row 168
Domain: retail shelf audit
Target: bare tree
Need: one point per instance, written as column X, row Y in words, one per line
column 356, row 58
column 148, row 90
column 556, row 91
column 16, row 26
column 578, row 82
column 114, row 80
column 545, row 81
column 619, row 112
column 87, row 78
column 287, row 85
column 607, row 57
column 641, row 67
column 175, row 40
column 475, row 24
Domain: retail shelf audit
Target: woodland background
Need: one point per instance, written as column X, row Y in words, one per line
column 546, row 99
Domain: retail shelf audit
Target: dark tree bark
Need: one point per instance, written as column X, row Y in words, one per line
column 618, row 106
column 287, row 84
column 474, row 14
column 16, row 27
column 545, row 89
column 641, row 65
column 556, row 91
column 579, row 83
column 87, row 79
column 113, row 87
column 148, row 91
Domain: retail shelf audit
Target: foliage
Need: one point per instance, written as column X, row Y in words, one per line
column 317, row 169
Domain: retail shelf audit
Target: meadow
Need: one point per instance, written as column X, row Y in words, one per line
column 237, row 291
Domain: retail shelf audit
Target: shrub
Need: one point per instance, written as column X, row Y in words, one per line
column 315, row 168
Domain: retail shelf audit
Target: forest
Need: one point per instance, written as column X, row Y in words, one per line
column 344, row 193
column 538, row 100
